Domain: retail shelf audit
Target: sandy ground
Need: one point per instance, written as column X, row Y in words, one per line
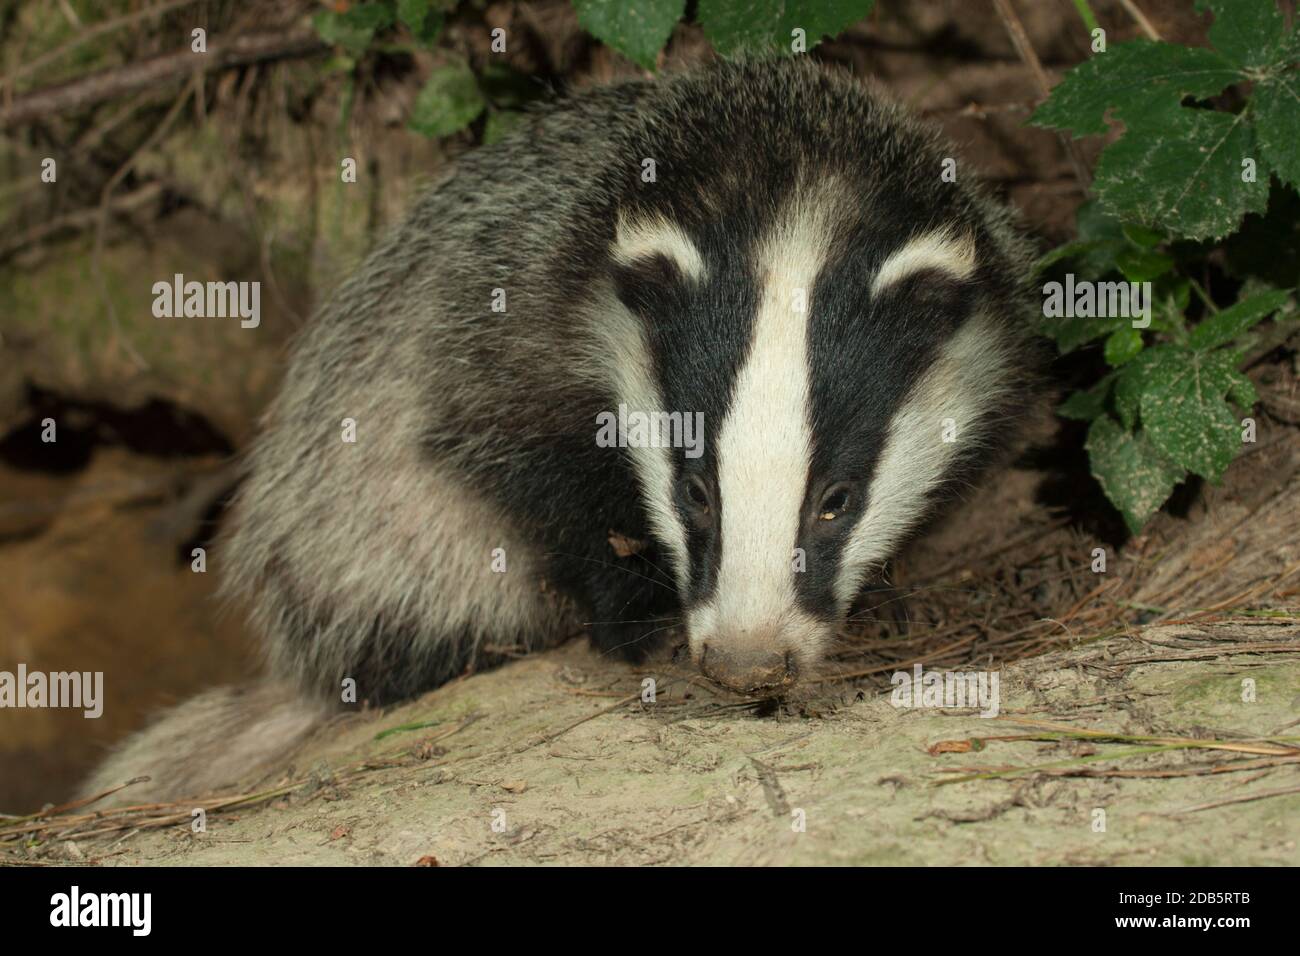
column 532, row 764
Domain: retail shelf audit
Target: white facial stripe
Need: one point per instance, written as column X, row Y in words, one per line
column 765, row 441
column 657, row 236
column 941, row 249
column 969, row 375
column 624, row 351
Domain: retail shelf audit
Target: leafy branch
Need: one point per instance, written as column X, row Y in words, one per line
column 455, row 96
column 1203, row 174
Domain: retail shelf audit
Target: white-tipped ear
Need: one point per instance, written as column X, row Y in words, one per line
column 657, row 236
column 942, row 249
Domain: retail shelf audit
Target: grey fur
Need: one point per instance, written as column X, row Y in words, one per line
column 212, row 741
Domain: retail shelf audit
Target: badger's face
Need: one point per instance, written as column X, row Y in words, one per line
column 846, row 376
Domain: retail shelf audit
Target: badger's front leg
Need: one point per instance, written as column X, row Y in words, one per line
column 632, row 601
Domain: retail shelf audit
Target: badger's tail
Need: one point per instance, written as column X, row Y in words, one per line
column 207, row 744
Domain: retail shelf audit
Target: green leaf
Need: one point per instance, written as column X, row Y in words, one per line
column 1093, row 258
column 765, row 26
column 1122, row 346
column 1143, row 265
column 1094, row 221
column 354, row 29
column 1248, row 32
column 1184, row 412
column 1243, row 391
column 422, row 19
column 1131, row 76
column 1088, row 404
column 1170, row 295
column 1068, row 250
column 1183, row 173
column 637, row 30
column 1252, row 33
column 1072, row 332
column 1132, row 472
column 1141, row 236
column 1276, row 105
column 449, row 102
column 1222, row 327
column 1100, row 308
column 1132, row 382
column 1101, row 239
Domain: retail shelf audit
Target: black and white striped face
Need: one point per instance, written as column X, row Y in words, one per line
column 846, row 373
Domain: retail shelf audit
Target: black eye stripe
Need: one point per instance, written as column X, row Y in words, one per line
column 930, row 300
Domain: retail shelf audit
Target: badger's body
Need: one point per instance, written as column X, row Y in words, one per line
column 768, row 245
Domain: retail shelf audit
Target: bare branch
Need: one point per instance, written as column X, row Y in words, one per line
column 1140, row 19
column 99, row 29
column 106, row 84
column 1026, row 50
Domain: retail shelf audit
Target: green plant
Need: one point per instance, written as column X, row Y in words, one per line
column 454, row 96
column 451, row 98
column 354, row 28
column 1183, row 192
column 640, row 30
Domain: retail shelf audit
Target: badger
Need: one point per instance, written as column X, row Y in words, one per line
column 769, row 250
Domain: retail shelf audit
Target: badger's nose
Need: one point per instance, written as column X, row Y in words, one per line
column 749, row 672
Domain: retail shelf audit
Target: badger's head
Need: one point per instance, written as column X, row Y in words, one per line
column 851, row 372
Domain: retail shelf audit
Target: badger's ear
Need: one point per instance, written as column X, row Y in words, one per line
column 651, row 260
column 934, row 275
column 942, row 253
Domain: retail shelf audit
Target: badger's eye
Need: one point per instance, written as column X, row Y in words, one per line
column 697, row 493
column 835, row 503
